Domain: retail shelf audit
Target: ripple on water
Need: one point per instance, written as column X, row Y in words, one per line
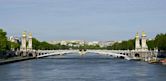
column 74, row 67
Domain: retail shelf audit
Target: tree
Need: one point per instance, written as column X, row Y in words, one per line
column 14, row 45
column 151, row 44
column 124, row 45
column 35, row 44
column 3, row 41
column 160, row 41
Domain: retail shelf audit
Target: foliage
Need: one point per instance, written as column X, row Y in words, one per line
column 5, row 44
column 89, row 47
column 160, row 41
column 14, row 45
column 46, row 46
column 3, row 41
column 151, row 44
column 124, row 45
column 35, row 43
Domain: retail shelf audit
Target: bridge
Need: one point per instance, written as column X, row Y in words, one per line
column 45, row 53
column 126, row 54
column 139, row 53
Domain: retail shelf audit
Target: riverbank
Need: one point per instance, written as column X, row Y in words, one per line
column 14, row 59
column 20, row 58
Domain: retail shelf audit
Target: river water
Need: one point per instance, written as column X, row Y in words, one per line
column 90, row 67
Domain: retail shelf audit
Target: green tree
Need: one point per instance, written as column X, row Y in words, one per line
column 14, row 45
column 124, row 45
column 151, row 44
column 160, row 41
column 35, row 44
column 3, row 41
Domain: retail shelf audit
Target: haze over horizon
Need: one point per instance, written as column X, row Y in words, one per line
column 83, row 19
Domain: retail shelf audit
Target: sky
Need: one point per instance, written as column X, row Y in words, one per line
column 83, row 19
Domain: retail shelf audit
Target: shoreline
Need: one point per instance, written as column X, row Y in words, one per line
column 14, row 59
column 19, row 59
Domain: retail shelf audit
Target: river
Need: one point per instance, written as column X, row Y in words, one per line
column 90, row 67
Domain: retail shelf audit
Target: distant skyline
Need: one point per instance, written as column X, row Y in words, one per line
column 83, row 19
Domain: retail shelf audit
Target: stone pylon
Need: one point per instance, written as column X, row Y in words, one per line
column 137, row 42
column 29, row 42
column 23, row 43
column 143, row 41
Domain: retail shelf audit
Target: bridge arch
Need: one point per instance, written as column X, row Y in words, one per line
column 30, row 54
column 137, row 55
column 122, row 57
